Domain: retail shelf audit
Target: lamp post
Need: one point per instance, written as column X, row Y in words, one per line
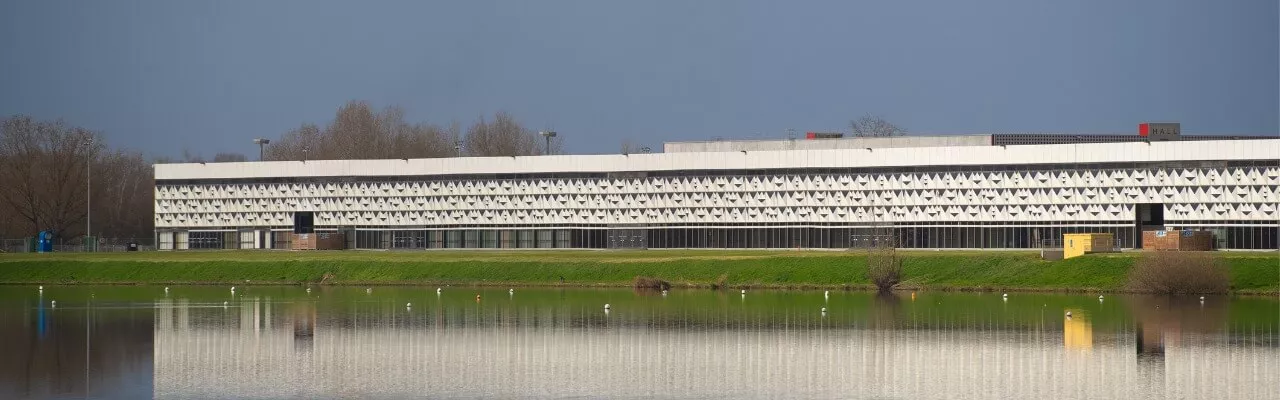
column 88, row 192
column 304, row 154
column 262, row 143
column 548, row 135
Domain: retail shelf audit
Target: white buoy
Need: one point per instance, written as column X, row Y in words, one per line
column 308, row 290
column 53, row 303
column 41, row 287
column 437, row 290
column 824, row 309
column 512, row 291
column 606, row 306
column 1068, row 313
column 224, row 304
column 407, row 305
column 826, row 293
column 368, row 290
column 1201, row 298
column 233, row 288
column 744, row 291
column 1099, row 297
column 1004, row 295
column 166, row 289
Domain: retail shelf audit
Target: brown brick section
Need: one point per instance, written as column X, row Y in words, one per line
column 1178, row 240
column 318, row 241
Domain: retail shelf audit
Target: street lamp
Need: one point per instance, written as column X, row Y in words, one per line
column 645, row 149
column 548, row 135
column 304, row 154
column 88, row 192
column 262, row 143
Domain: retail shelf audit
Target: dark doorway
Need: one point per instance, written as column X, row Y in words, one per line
column 304, row 222
column 1147, row 216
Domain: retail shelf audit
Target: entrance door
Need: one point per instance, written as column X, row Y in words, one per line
column 1147, row 216
column 304, row 222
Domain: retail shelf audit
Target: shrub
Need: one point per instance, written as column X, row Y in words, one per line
column 884, row 267
column 1179, row 272
column 645, row 282
column 721, row 282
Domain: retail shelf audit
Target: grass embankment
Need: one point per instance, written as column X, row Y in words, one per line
column 976, row 270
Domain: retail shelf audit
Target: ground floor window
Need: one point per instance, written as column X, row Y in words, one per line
column 830, row 237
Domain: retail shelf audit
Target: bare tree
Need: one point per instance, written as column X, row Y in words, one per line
column 229, row 157
column 356, row 133
column 501, row 136
column 290, row 146
column 189, row 157
column 42, row 171
column 123, row 205
column 359, row 132
column 874, row 126
column 628, row 147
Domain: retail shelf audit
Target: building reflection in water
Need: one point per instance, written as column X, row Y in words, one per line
column 1077, row 332
column 466, row 350
column 304, row 325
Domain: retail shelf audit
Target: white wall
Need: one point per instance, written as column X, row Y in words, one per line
column 846, row 158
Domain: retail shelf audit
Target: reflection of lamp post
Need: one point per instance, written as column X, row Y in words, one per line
column 548, row 135
column 262, row 143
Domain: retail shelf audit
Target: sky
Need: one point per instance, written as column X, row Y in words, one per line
column 209, row 76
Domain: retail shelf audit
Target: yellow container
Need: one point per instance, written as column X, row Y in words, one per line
column 1079, row 244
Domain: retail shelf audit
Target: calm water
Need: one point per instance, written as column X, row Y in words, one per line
column 283, row 342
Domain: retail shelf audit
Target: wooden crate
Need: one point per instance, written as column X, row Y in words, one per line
column 1177, row 240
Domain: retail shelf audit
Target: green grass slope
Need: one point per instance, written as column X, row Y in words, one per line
column 950, row 270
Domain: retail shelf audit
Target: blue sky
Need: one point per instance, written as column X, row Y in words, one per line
column 163, row 76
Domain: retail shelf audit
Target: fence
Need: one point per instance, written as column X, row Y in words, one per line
column 75, row 245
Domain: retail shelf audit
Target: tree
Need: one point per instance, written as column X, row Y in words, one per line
column 502, row 136
column 189, row 157
column 628, row 147
column 290, row 146
column 359, row 132
column 356, row 133
column 874, row 126
column 43, row 173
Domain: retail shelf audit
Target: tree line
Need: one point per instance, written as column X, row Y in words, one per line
column 45, row 165
column 360, row 132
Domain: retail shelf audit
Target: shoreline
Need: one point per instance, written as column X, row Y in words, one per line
column 969, row 271
column 844, row 288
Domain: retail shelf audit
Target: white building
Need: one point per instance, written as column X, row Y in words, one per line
column 948, row 195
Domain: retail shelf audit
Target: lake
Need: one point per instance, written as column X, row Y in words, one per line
column 356, row 342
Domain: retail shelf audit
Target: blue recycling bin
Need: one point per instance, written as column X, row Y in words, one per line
column 44, row 242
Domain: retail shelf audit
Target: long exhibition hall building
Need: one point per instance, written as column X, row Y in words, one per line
column 978, row 191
